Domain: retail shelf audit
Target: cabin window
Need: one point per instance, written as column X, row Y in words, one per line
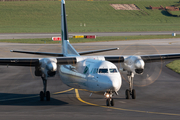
column 103, row 70
column 113, row 70
column 94, row 71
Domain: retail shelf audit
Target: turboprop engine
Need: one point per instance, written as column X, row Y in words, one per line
column 47, row 67
column 133, row 64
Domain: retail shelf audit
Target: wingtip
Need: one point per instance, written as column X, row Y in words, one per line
column 11, row 50
column 117, row 48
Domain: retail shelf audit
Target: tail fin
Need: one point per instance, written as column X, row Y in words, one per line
column 67, row 48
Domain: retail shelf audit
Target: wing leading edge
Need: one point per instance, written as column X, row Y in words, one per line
column 146, row 58
column 159, row 57
column 19, row 61
column 35, row 61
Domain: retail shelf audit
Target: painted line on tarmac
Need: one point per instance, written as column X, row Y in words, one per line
column 63, row 91
column 122, row 109
column 36, row 95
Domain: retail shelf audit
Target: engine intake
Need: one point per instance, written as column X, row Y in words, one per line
column 139, row 71
column 51, row 73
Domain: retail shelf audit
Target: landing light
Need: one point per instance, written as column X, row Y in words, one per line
column 107, row 95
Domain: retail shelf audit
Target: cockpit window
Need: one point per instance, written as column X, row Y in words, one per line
column 103, row 70
column 113, row 70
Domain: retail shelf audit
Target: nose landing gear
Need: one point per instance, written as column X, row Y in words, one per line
column 109, row 99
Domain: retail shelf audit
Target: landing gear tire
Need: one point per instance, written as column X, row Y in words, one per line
column 108, row 102
column 112, row 102
column 127, row 94
column 48, row 96
column 41, row 96
column 133, row 94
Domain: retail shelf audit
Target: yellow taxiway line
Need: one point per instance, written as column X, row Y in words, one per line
column 63, row 91
column 122, row 109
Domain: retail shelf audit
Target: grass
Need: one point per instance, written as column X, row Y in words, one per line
column 98, row 16
column 81, row 40
column 30, row 17
column 175, row 12
column 175, row 66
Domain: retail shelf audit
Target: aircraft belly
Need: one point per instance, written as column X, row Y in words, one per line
column 96, row 86
column 72, row 78
column 80, row 81
column 93, row 84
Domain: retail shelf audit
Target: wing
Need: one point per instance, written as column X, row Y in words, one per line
column 35, row 61
column 159, row 57
column 73, row 60
column 145, row 58
column 114, row 59
column 19, row 61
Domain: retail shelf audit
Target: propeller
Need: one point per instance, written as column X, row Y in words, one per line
column 151, row 71
column 43, row 48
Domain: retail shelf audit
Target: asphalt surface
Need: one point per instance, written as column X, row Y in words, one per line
column 49, row 35
column 157, row 89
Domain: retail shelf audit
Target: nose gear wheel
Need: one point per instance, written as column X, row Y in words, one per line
column 110, row 102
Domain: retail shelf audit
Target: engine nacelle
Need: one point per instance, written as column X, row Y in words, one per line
column 48, row 67
column 133, row 64
column 51, row 68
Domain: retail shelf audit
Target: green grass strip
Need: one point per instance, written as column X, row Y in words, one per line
column 174, row 65
column 82, row 40
column 85, row 16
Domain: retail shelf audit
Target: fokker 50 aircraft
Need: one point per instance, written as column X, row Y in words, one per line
column 96, row 74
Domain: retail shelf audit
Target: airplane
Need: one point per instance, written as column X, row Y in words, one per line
column 95, row 74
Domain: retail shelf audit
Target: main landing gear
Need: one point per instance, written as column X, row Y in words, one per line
column 130, row 91
column 109, row 99
column 44, row 94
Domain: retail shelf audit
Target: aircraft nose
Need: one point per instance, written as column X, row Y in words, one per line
column 115, row 83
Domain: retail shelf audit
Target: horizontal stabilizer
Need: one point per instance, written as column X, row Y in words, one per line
column 97, row 51
column 60, row 54
column 39, row 53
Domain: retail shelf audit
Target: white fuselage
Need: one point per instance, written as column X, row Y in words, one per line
column 91, row 74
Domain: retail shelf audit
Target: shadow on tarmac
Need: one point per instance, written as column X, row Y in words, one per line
column 27, row 100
